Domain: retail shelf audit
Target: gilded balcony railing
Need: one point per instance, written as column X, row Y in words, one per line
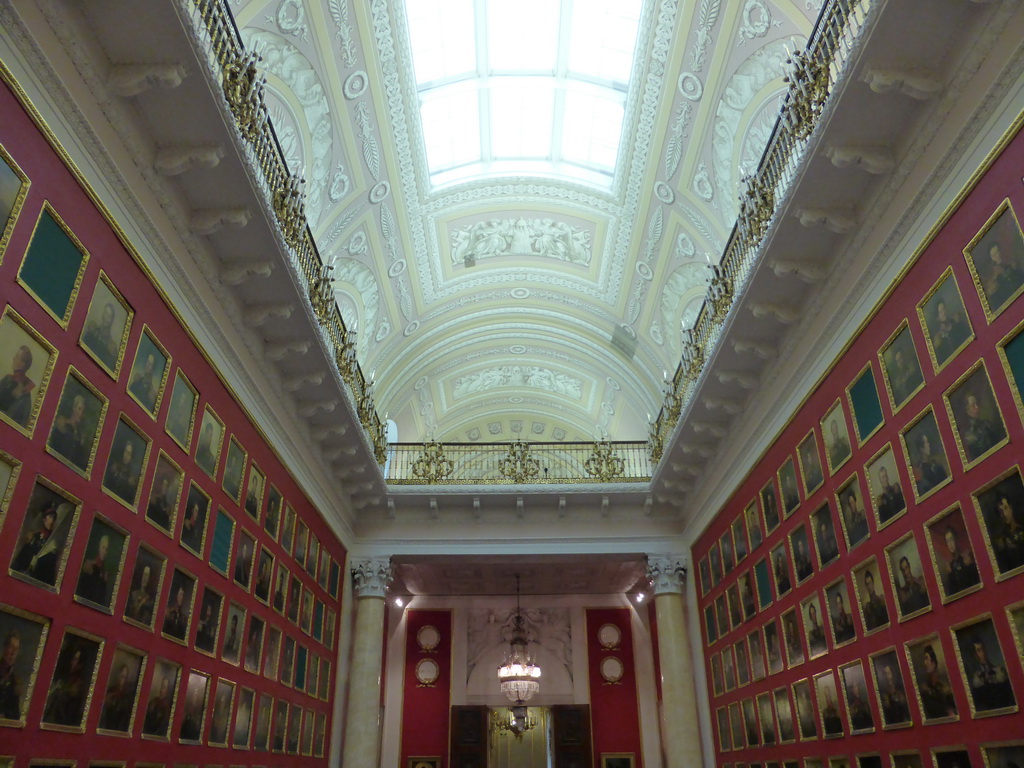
column 242, row 85
column 518, row 463
column 813, row 74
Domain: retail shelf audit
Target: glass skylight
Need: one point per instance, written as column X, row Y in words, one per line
column 522, row 87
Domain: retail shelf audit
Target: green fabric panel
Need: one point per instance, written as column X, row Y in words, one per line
column 220, row 551
column 1015, row 357
column 764, row 585
column 866, row 407
column 52, row 265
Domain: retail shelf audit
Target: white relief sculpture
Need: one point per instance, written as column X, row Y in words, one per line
column 747, row 84
column 520, row 237
column 532, row 376
column 290, row 18
column 759, row 131
column 340, row 184
column 674, row 147
column 708, row 17
column 684, row 284
column 355, row 280
column 294, row 70
column 757, row 20
column 548, row 632
column 339, row 12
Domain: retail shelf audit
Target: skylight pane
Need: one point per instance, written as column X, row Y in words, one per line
column 522, row 35
column 603, row 38
column 521, row 118
column 451, row 128
column 443, row 39
column 593, row 126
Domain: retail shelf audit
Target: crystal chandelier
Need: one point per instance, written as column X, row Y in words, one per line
column 518, row 677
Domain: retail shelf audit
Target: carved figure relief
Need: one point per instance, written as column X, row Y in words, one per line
column 518, row 376
column 521, row 237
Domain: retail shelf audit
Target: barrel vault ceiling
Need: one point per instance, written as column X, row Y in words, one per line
column 476, row 335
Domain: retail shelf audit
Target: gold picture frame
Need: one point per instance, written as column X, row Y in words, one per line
column 838, row 448
column 108, row 324
column 12, row 200
column 998, row 285
column 829, row 716
column 929, row 471
column 77, row 423
column 67, row 707
column 901, row 367
column 946, row 332
column 999, row 504
column 146, row 383
column 120, row 703
column 31, row 631
column 42, row 557
column 144, row 587
column 853, row 514
column 978, row 424
column 809, row 459
column 989, row 691
column 21, row 398
column 890, row 689
column 903, row 556
column 953, row 555
column 860, row 718
column 56, row 270
column 127, row 460
column 933, row 685
column 872, row 606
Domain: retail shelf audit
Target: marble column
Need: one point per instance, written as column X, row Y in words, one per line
column 361, row 740
column 679, row 725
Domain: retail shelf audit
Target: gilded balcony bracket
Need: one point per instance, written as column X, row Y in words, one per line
column 603, row 464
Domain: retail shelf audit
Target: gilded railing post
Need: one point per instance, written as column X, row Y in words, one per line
column 243, row 88
column 602, row 463
column 432, row 466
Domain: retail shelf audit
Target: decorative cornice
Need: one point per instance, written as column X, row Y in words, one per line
column 667, row 573
column 370, row 578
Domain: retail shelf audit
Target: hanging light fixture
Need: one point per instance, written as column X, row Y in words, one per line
column 519, row 676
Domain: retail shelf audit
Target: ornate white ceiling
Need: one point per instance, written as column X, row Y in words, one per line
column 522, row 307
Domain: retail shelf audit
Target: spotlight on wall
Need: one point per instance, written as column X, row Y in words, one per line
column 399, row 602
column 640, row 597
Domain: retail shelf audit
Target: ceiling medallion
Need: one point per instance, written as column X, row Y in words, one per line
column 517, row 349
column 520, row 293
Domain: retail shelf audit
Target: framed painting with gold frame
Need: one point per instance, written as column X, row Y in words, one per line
column 14, row 184
column 121, row 698
column 193, row 720
column 31, row 631
column 108, row 323
column 1011, row 357
column 858, row 703
column 983, row 665
column 1000, row 507
column 947, row 327
column 770, row 507
column 953, row 554
column 784, row 715
column 932, row 682
column 220, row 719
column 181, row 413
column 788, row 484
column 810, row 463
column 78, row 660
column 234, row 469
column 608, row 760
column 837, row 437
column 853, row 516
column 1003, row 754
column 46, row 536
column 901, row 368
column 165, row 494
column 25, row 385
column 126, row 463
column 906, row 574
column 211, row 439
column 754, row 530
column 766, row 714
column 954, row 756
column 54, row 263
column 885, row 487
column 998, row 274
column 890, row 688
column 99, row 576
column 829, row 716
column 978, row 424
column 77, row 423
column 874, row 611
column 925, row 454
column 10, row 468
column 147, row 378
column 144, row 587
column 840, row 613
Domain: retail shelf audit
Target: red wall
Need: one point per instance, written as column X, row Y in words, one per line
column 53, row 182
column 614, row 708
column 1001, row 181
column 425, row 708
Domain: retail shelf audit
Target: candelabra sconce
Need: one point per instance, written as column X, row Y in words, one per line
column 757, row 205
column 290, row 207
column 320, row 294
column 244, row 90
column 656, row 441
column 603, row 464
column 518, row 466
column 432, row 466
column 808, row 92
column 345, row 358
column 720, row 293
column 693, row 356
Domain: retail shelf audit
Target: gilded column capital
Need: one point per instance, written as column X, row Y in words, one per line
column 371, row 577
column 667, row 573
